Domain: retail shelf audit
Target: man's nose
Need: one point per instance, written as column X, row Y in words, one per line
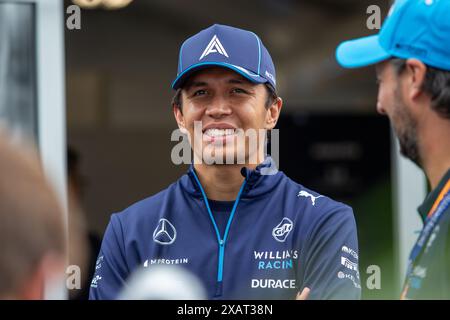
column 380, row 109
column 219, row 108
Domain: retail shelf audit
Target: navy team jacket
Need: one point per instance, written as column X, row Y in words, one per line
column 277, row 238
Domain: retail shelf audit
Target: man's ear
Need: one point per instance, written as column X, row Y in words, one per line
column 416, row 71
column 273, row 113
column 179, row 118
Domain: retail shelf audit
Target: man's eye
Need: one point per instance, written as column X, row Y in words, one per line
column 199, row 93
column 238, row 90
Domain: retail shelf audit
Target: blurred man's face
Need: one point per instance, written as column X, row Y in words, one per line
column 391, row 103
column 223, row 101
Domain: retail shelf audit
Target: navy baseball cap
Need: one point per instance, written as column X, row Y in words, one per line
column 413, row 29
column 224, row 46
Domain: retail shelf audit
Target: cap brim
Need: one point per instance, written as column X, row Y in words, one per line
column 361, row 52
column 182, row 77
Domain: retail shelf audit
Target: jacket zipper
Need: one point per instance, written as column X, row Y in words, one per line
column 221, row 241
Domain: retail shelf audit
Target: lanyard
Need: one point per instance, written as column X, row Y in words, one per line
column 439, row 207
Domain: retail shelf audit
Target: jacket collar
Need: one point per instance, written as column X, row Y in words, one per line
column 259, row 181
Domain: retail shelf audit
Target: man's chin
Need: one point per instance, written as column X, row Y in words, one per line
column 225, row 159
column 411, row 152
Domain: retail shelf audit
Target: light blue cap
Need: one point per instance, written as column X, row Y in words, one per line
column 413, row 29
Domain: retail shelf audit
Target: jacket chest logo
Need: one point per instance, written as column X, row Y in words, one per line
column 165, row 233
column 282, row 230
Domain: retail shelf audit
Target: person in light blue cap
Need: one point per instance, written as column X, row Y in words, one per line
column 412, row 58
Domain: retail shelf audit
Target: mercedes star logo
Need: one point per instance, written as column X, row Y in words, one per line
column 165, row 233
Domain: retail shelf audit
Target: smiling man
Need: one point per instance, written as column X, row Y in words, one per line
column 241, row 226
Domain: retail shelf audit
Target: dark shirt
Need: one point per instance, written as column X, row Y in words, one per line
column 430, row 277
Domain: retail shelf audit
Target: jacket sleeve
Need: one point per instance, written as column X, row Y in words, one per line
column 111, row 268
column 331, row 262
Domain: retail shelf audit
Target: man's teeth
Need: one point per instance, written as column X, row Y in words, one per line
column 219, row 132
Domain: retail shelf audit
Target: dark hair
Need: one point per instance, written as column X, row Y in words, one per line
column 271, row 97
column 436, row 85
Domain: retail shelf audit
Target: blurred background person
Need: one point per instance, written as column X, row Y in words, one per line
column 32, row 233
